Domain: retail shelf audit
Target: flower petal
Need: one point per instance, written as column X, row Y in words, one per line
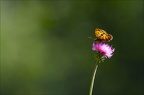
column 105, row 49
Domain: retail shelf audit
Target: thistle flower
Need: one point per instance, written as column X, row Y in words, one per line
column 104, row 49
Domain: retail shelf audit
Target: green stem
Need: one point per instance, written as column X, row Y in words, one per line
column 92, row 82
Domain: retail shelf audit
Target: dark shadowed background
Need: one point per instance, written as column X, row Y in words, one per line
column 45, row 47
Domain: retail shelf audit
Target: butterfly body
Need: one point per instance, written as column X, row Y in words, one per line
column 102, row 36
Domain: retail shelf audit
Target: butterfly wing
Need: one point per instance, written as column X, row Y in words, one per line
column 102, row 36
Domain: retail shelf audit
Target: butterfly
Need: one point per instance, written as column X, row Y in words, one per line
column 102, row 36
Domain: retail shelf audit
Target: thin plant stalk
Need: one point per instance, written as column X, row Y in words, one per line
column 93, row 78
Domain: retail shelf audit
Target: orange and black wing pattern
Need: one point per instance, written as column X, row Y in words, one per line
column 102, row 36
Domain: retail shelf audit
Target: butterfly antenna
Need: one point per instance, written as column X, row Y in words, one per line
column 90, row 37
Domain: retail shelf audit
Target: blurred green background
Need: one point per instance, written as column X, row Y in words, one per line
column 45, row 47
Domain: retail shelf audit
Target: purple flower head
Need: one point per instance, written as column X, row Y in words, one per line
column 104, row 49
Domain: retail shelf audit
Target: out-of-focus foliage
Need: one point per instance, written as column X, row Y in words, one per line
column 45, row 47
